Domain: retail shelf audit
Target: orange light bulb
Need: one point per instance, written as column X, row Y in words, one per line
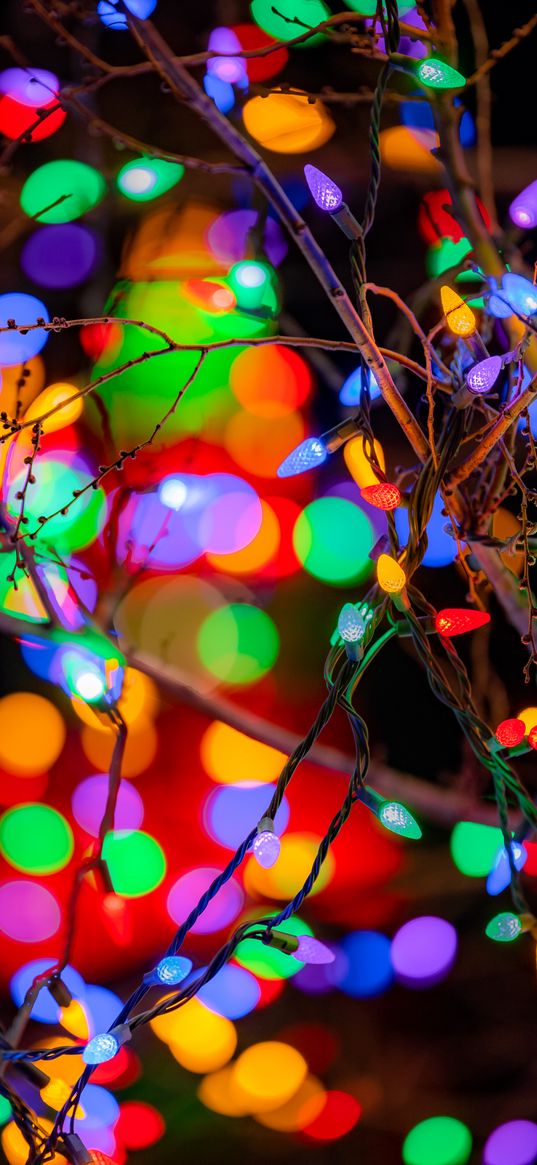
column 460, row 318
column 391, row 577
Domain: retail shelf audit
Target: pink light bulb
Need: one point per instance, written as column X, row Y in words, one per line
column 266, row 846
column 310, row 950
column 523, row 209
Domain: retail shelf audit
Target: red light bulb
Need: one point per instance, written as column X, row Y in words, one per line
column 384, row 496
column 532, row 737
column 99, row 1158
column 456, row 620
column 511, row 732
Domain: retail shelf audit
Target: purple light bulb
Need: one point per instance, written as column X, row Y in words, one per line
column 266, row 846
column 482, row 376
column 326, row 194
column 523, row 209
column 310, row 950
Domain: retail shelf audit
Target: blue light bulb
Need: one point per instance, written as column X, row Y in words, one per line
column 500, row 875
column 521, row 293
column 101, row 1048
column 350, row 392
column 172, row 969
column 308, row 455
column 351, row 625
column 325, row 193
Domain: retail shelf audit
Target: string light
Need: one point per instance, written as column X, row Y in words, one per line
column 323, row 190
column 171, row 970
column 266, row 846
column 308, row 455
column 394, row 816
column 351, row 624
column 500, row 875
column 510, row 732
column 523, row 209
column 385, row 495
column 452, row 621
column 460, row 318
column 482, row 376
column 106, row 1045
column 437, row 74
column 303, row 947
column 390, row 575
column 504, row 928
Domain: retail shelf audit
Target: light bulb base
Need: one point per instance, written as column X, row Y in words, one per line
column 339, row 435
column 477, row 347
column 287, row 943
column 463, row 398
column 401, row 600
column 347, row 222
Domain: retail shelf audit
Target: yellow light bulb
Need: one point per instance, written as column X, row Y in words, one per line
column 460, row 318
column 391, row 577
column 358, row 464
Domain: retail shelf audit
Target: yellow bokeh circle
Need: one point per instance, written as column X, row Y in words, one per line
column 32, row 734
column 140, row 749
column 268, row 1074
column 287, row 123
column 199, row 1039
column 285, row 878
column 229, row 756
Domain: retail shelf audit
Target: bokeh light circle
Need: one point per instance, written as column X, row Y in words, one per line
column 270, row 381
column 30, row 86
column 135, row 861
column 287, row 123
column 441, row 1140
column 267, row 962
column 188, row 889
column 423, row 951
column 36, row 838
column 268, row 1074
column 238, row 643
column 61, row 191
column 332, row 539
column 474, row 848
column 230, row 757
column 24, row 309
column 89, row 802
column 231, row 812
column 365, row 969
column 60, row 256
column 29, row 913
column 339, row 1113
column 513, row 1143
column 45, row 1009
column 233, row 992
column 25, row 716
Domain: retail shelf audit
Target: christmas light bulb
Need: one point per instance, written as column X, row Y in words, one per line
column 172, row 969
column 172, row 492
column 496, row 302
column 391, row 577
column 398, row 819
column 90, row 686
column 384, row 496
column 523, row 209
column 311, row 951
column 484, row 375
column 308, row 455
column 437, row 74
column 452, row 621
column 504, row 928
column 325, row 193
column 500, row 875
column 532, row 737
column 248, row 281
column 520, row 293
column 266, row 846
column 99, row 1158
column 351, row 625
column 460, row 318
column 101, row 1048
column 510, row 732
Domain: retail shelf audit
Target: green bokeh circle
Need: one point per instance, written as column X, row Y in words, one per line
column 36, row 838
column 73, row 187
column 266, row 961
column 238, row 643
column 332, row 539
column 441, row 1140
column 135, row 861
column 474, row 848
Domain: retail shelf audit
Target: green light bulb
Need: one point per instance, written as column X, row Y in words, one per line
column 398, row 819
column 436, row 74
column 504, row 928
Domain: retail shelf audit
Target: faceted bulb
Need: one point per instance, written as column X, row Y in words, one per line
column 326, row 194
column 308, row 455
column 437, row 75
column 173, row 969
column 510, row 732
column 391, row 577
column 460, row 318
column 350, row 624
column 310, row 950
column 452, row 621
column 384, row 496
column 266, row 848
column 520, row 293
column 484, row 375
column 101, row 1048
column 398, row 819
column 504, row 928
